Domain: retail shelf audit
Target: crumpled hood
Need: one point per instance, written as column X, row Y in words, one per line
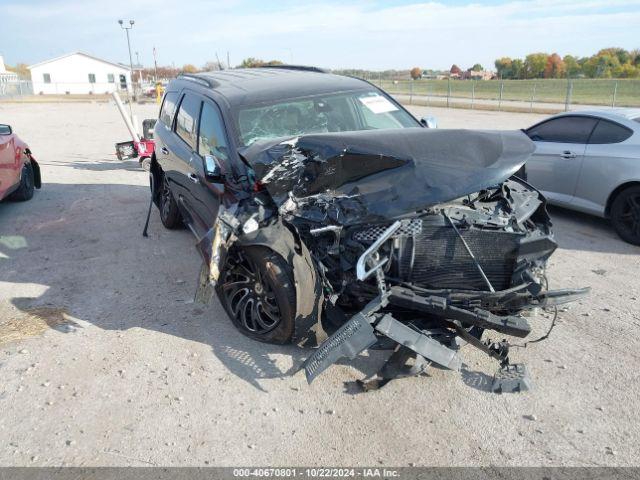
column 374, row 175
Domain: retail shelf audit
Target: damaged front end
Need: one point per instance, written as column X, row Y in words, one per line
column 415, row 240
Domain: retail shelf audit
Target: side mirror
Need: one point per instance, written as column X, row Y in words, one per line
column 5, row 129
column 212, row 168
column 429, row 122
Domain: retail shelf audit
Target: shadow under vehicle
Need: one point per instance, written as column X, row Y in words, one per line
column 326, row 214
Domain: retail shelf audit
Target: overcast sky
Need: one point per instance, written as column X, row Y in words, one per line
column 332, row 33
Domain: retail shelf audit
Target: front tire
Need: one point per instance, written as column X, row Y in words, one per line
column 257, row 292
column 27, row 186
column 625, row 215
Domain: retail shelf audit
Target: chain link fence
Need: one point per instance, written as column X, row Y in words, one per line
column 74, row 90
column 15, row 88
column 516, row 95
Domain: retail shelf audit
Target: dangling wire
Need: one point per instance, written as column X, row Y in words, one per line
column 546, row 335
column 545, row 281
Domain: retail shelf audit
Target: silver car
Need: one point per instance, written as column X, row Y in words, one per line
column 590, row 161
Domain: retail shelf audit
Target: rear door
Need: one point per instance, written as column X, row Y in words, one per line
column 163, row 130
column 611, row 159
column 181, row 147
column 212, row 141
column 555, row 166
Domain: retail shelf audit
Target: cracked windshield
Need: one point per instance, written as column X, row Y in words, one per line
column 329, row 113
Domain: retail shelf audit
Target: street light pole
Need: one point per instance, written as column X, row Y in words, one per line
column 139, row 67
column 155, row 65
column 126, row 29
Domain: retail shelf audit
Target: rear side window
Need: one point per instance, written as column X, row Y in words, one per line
column 186, row 119
column 211, row 139
column 609, row 132
column 168, row 108
column 563, row 130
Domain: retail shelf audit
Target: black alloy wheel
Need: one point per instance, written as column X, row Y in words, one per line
column 625, row 215
column 257, row 293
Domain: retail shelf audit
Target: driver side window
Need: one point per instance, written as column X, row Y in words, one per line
column 566, row 129
column 211, row 137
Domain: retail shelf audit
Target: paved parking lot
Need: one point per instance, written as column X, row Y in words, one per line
column 106, row 360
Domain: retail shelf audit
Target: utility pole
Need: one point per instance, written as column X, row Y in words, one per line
column 126, row 29
column 139, row 66
column 155, row 65
column 228, row 61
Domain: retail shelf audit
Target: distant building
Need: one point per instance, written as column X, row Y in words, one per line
column 477, row 75
column 79, row 73
column 5, row 76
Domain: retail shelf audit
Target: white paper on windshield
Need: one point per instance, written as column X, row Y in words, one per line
column 378, row 104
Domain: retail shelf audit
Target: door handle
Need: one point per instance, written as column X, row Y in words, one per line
column 568, row 154
column 194, row 178
column 165, row 150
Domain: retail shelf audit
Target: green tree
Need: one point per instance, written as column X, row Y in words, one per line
column 534, row 65
column 601, row 66
column 477, row 68
column 572, row 67
column 252, row 62
column 504, row 67
column 628, row 70
column 620, row 53
column 517, row 68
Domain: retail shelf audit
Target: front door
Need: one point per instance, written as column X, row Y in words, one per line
column 212, row 141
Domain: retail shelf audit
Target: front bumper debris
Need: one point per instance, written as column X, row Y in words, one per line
column 439, row 346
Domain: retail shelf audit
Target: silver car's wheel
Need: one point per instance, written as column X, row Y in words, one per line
column 625, row 215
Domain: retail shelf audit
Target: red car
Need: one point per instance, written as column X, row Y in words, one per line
column 19, row 171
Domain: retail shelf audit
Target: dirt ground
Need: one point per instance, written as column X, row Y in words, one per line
column 106, row 360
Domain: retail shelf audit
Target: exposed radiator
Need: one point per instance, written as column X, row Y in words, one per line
column 441, row 261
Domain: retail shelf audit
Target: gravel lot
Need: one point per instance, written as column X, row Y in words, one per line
column 106, row 360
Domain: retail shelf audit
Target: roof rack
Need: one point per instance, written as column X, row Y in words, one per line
column 302, row 68
column 197, row 78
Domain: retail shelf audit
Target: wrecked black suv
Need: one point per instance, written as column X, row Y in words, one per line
column 327, row 214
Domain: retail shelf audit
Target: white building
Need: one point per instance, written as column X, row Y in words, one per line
column 6, row 77
column 78, row 73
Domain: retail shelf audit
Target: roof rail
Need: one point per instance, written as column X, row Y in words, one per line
column 302, row 68
column 197, row 78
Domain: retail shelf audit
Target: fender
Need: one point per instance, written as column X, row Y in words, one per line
column 37, row 176
column 280, row 239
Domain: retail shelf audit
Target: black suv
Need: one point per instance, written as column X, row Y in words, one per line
column 322, row 207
